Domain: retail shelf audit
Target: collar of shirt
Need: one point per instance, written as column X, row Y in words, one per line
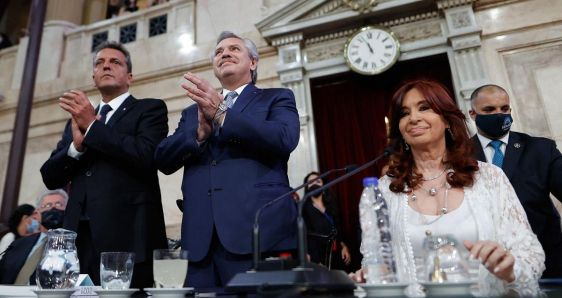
column 238, row 90
column 489, row 150
column 114, row 104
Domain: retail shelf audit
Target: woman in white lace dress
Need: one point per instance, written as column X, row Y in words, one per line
column 434, row 185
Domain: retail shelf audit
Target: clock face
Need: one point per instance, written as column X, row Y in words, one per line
column 371, row 50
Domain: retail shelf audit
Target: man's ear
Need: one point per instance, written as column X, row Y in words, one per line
column 472, row 114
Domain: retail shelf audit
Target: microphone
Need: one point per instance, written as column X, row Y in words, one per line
column 300, row 220
column 310, row 277
column 256, row 229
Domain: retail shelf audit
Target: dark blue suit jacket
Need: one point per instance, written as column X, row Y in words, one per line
column 14, row 258
column 115, row 183
column 234, row 173
column 534, row 168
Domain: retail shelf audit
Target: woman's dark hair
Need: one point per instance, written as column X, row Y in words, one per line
column 327, row 197
column 459, row 147
column 17, row 215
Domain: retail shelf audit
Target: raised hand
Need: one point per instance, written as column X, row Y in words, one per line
column 77, row 136
column 204, row 95
column 77, row 104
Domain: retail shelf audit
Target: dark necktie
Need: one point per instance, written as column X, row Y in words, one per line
column 103, row 113
column 497, row 159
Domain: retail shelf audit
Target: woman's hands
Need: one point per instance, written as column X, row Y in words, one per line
column 492, row 255
column 358, row 276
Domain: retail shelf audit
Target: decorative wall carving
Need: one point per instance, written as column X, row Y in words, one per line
column 324, row 52
column 461, row 19
column 418, row 31
column 361, row 6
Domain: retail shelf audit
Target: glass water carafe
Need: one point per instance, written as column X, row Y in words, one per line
column 446, row 260
column 59, row 268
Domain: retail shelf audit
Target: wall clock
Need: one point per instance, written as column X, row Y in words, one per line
column 371, row 50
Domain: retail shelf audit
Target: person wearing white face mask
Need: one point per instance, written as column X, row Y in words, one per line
column 23, row 222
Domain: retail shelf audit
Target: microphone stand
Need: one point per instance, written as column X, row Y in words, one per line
column 300, row 220
column 313, row 277
column 256, row 229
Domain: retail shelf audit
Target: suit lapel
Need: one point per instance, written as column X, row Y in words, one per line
column 248, row 94
column 514, row 149
column 122, row 110
column 478, row 150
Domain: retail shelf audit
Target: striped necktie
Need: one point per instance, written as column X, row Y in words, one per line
column 229, row 99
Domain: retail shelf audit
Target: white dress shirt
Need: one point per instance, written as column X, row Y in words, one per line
column 488, row 149
column 114, row 104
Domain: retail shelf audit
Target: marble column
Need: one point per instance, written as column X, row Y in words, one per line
column 463, row 34
column 292, row 75
column 65, row 10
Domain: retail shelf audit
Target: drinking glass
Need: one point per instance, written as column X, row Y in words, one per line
column 170, row 268
column 116, row 270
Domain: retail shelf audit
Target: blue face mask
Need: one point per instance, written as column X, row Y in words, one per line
column 33, row 226
column 494, row 125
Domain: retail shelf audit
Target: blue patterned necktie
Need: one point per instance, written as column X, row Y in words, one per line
column 229, row 99
column 497, row 159
column 103, row 113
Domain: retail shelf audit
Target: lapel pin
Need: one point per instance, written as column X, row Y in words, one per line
column 517, row 145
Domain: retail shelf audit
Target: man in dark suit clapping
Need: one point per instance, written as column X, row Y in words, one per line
column 107, row 156
column 532, row 164
column 234, row 155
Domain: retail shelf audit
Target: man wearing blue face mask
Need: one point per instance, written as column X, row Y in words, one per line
column 532, row 164
column 22, row 256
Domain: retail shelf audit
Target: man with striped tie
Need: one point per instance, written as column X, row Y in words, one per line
column 233, row 147
column 532, row 164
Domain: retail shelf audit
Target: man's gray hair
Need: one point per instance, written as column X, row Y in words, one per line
column 116, row 46
column 250, row 46
column 59, row 192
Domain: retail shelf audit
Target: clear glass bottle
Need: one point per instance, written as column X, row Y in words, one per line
column 376, row 245
column 59, row 268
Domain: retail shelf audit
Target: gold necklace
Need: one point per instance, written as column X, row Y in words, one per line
column 434, row 177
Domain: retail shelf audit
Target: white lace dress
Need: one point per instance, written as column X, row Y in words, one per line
column 499, row 217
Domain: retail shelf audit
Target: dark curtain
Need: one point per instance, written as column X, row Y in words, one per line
column 349, row 117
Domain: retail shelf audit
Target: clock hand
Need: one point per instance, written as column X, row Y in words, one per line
column 370, row 48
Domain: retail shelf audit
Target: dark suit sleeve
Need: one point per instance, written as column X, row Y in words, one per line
column 555, row 171
column 135, row 150
column 59, row 169
column 176, row 150
column 277, row 134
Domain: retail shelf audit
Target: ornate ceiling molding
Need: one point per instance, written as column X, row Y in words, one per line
column 391, row 23
column 410, row 19
column 287, row 39
column 361, row 6
column 324, row 9
column 445, row 4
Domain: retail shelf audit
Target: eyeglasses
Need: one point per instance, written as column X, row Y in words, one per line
column 50, row 205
